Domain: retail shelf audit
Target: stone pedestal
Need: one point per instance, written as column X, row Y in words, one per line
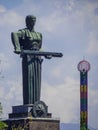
column 21, row 118
column 23, row 111
column 33, row 124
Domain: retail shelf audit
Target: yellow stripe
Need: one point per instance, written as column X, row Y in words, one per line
column 81, row 88
column 83, row 114
column 85, row 88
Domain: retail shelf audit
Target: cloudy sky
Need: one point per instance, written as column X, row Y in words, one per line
column 68, row 26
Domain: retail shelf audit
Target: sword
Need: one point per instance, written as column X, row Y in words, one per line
column 41, row 53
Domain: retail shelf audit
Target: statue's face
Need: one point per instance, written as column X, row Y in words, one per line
column 30, row 23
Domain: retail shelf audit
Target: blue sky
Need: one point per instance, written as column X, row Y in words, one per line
column 68, row 26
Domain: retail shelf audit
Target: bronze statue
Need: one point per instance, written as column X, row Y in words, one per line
column 28, row 39
column 28, row 43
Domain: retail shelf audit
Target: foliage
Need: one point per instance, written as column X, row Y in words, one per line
column 84, row 128
column 2, row 124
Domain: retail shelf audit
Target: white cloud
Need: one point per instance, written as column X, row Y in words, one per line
column 4, row 64
column 93, row 107
column 10, row 95
column 93, row 97
column 70, row 5
column 2, row 9
column 63, row 99
column 56, row 72
column 92, row 44
column 10, row 18
column 1, row 92
column 52, row 21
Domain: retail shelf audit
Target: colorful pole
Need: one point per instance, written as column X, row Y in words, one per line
column 83, row 67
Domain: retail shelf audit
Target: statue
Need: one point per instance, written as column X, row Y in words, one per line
column 28, row 43
column 28, row 39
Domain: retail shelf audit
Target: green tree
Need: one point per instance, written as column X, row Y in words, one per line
column 3, row 125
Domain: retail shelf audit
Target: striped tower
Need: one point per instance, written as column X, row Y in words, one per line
column 83, row 67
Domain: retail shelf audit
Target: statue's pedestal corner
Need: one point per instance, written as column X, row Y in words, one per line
column 21, row 111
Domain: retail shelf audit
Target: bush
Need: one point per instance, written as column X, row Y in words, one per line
column 3, row 125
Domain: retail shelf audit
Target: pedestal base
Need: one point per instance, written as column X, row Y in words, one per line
column 21, row 118
column 33, row 124
column 23, row 111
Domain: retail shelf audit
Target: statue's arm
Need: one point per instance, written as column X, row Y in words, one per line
column 47, row 56
column 41, row 40
column 15, row 40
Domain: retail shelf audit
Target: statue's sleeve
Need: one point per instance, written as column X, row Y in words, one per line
column 15, row 40
column 41, row 40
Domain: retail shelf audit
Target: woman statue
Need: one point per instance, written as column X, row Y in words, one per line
column 28, row 39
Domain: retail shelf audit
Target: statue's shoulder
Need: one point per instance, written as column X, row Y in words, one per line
column 23, row 30
column 38, row 33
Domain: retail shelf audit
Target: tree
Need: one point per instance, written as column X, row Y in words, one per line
column 3, row 125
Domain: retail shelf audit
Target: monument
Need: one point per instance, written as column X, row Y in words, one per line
column 27, row 43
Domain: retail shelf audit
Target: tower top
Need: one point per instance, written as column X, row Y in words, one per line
column 83, row 66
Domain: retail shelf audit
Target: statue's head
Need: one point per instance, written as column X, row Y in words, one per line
column 30, row 21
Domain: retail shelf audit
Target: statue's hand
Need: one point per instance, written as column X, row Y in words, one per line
column 17, row 51
column 48, row 56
